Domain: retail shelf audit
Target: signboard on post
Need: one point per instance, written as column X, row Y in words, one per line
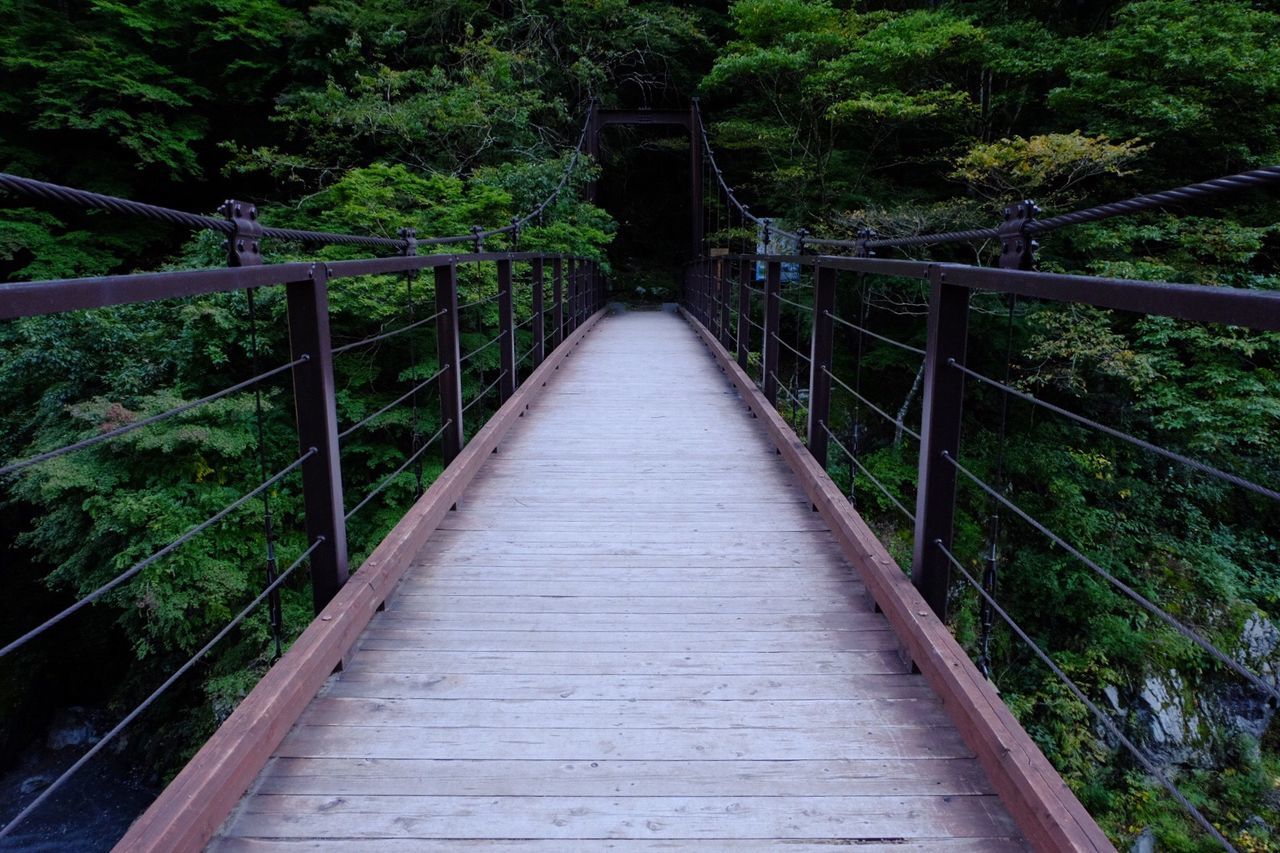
column 770, row 242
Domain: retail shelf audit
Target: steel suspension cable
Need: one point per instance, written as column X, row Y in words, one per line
column 709, row 156
column 85, row 199
column 275, row 614
column 856, row 439
column 1255, row 178
column 414, row 434
column 989, row 577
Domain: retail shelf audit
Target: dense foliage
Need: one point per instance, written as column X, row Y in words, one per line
column 905, row 117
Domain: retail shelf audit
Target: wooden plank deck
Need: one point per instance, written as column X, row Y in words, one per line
column 634, row 634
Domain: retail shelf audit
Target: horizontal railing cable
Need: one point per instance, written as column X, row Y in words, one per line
column 493, row 298
column 482, row 347
column 159, row 691
column 879, row 411
column 1097, row 712
column 377, row 490
column 137, row 567
column 1142, row 601
column 397, row 401
column 1202, row 467
column 799, row 305
column 385, row 335
column 527, row 353
column 135, row 425
column 782, row 386
column 867, row 473
column 865, row 331
column 488, row 388
column 788, row 346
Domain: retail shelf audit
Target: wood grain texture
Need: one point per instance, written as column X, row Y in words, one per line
column 624, row 845
column 195, row 803
column 1046, row 810
column 634, row 634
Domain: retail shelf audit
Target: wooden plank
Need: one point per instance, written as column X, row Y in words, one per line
column 626, row 663
column 362, row 683
column 904, row 742
column 611, row 817
column 437, row 606
column 650, row 714
column 799, row 587
column 505, row 778
column 378, row 637
column 194, row 804
column 534, row 573
column 1045, row 808
column 585, row 619
column 569, row 845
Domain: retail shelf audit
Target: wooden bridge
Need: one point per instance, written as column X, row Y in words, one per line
column 633, row 631
column 634, row 612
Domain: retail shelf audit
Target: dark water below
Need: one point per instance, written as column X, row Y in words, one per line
column 90, row 812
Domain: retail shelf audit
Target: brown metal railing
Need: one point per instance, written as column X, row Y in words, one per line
column 578, row 291
column 709, row 297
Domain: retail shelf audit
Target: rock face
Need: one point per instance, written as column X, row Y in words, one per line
column 71, row 727
column 1194, row 725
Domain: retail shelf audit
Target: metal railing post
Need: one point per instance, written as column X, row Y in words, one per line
column 449, row 356
column 506, row 333
column 539, row 317
column 317, row 417
column 571, row 276
column 772, row 323
column 708, row 301
column 940, row 434
column 824, row 305
column 744, row 312
column 557, row 300
column 708, row 294
column 722, row 285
